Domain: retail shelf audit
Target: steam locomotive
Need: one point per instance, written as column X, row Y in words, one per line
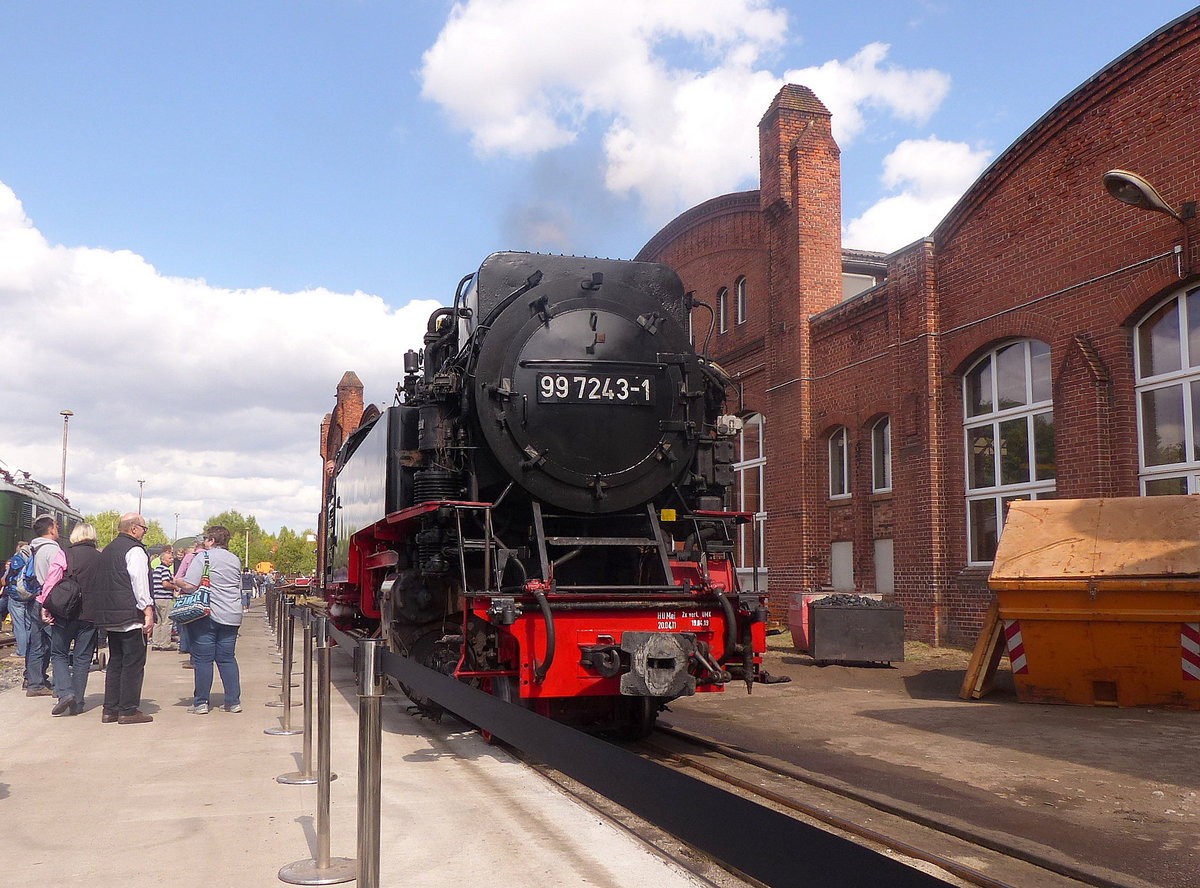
column 541, row 513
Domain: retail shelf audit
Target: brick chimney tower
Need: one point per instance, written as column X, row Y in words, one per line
column 800, row 197
column 335, row 427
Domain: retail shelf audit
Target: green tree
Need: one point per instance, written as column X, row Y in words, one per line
column 105, row 524
column 295, row 554
column 106, row 528
column 242, row 529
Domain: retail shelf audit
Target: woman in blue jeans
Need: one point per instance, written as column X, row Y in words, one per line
column 213, row 639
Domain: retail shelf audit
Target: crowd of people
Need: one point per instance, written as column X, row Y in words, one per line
column 127, row 594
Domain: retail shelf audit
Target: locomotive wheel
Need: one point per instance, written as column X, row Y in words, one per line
column 430, row 650
column 635, row 717
column 503, row 687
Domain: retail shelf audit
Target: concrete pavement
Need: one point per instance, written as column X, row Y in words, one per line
column 192, row 800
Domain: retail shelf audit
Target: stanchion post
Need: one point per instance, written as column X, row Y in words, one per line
column 287, row 623
column 305, row 775
column 280, row 610
column 285, row 683
column 370, row 748
column 323, row 869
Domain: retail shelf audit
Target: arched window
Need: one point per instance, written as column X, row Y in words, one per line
column 881, row 455
column 749, row 472
column 1009, row 438
column 839, row 463
column 1167, row 359
column 722, row 310
column 739, row 289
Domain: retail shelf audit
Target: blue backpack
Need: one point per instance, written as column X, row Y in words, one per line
column 25, row 582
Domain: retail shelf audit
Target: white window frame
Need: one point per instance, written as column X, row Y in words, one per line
column 1187, row 378
column 841, row 434
column 999, row 494
column 881, row 445
column 752, row 466
column 740, row 305
column 722, row 309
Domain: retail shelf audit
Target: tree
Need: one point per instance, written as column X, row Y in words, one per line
column 105, row 524
column 294, row 554
column 106, row 529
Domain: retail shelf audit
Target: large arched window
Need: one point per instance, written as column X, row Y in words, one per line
column 1009, row 438
column 1167, row 359
column 743, row 309
column 749, row 486
column 722, row 310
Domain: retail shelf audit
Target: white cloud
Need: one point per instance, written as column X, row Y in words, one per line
column 527, row 76
column 214, row 397
column 929, row 175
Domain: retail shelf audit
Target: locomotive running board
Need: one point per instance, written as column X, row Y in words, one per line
column 653, row 538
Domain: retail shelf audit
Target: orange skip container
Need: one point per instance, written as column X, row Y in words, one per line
column 1100, row 600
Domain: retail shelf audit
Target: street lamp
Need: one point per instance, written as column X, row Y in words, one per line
column 62, row 490
column 141, row 487
column 1130, row 188
column 176, row 526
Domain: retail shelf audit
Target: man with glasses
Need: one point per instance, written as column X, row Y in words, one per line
column 121, row 604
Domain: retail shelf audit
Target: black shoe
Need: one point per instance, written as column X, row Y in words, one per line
column 109, row 717
column 137, row 717
column 64, row 705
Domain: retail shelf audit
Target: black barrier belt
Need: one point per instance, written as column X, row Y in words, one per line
column 766, row 845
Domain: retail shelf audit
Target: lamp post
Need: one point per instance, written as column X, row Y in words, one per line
column 176, row 526
column 141, row 487
column 62, row 490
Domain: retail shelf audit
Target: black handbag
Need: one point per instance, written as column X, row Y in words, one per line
column 65, row 600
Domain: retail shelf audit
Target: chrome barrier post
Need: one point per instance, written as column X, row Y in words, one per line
column 280, row 608
column 305, row 775
column 322, row 869
column 289, row 608
column 370, row 749
column 285, row 684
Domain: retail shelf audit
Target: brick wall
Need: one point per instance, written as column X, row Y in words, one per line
column 1036, row 249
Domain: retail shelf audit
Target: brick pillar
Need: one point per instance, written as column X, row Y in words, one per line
column 335, row 427
column 800, row 198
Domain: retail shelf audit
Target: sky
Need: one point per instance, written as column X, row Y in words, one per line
column 210, row 211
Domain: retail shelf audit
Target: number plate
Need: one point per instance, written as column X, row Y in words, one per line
column 594, row 388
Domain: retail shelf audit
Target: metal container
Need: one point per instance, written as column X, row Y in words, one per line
column 857, row 634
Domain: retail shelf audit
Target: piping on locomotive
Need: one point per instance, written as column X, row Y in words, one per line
column 542, row 512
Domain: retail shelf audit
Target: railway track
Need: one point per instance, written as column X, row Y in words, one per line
column 960, row 857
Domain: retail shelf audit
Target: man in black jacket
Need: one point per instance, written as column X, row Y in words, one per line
column 121, row 604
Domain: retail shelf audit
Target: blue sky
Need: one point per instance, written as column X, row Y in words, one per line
column 213, row 209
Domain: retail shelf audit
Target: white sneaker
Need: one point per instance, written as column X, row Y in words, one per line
column 201, row 709
column 236, row 707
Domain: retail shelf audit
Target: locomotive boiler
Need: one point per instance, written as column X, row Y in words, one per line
column 542, row 511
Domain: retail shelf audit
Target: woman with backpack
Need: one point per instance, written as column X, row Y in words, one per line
column 72, row 639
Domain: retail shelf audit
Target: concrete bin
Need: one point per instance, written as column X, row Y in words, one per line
column 1100, row 600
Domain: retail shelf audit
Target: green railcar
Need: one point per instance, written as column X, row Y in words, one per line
column 21, row 502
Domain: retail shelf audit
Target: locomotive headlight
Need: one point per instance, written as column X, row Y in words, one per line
column 728, row 425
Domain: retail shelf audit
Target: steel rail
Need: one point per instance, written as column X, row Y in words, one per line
column 1058, row 867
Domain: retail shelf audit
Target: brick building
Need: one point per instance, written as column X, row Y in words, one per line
column 1039, row 342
